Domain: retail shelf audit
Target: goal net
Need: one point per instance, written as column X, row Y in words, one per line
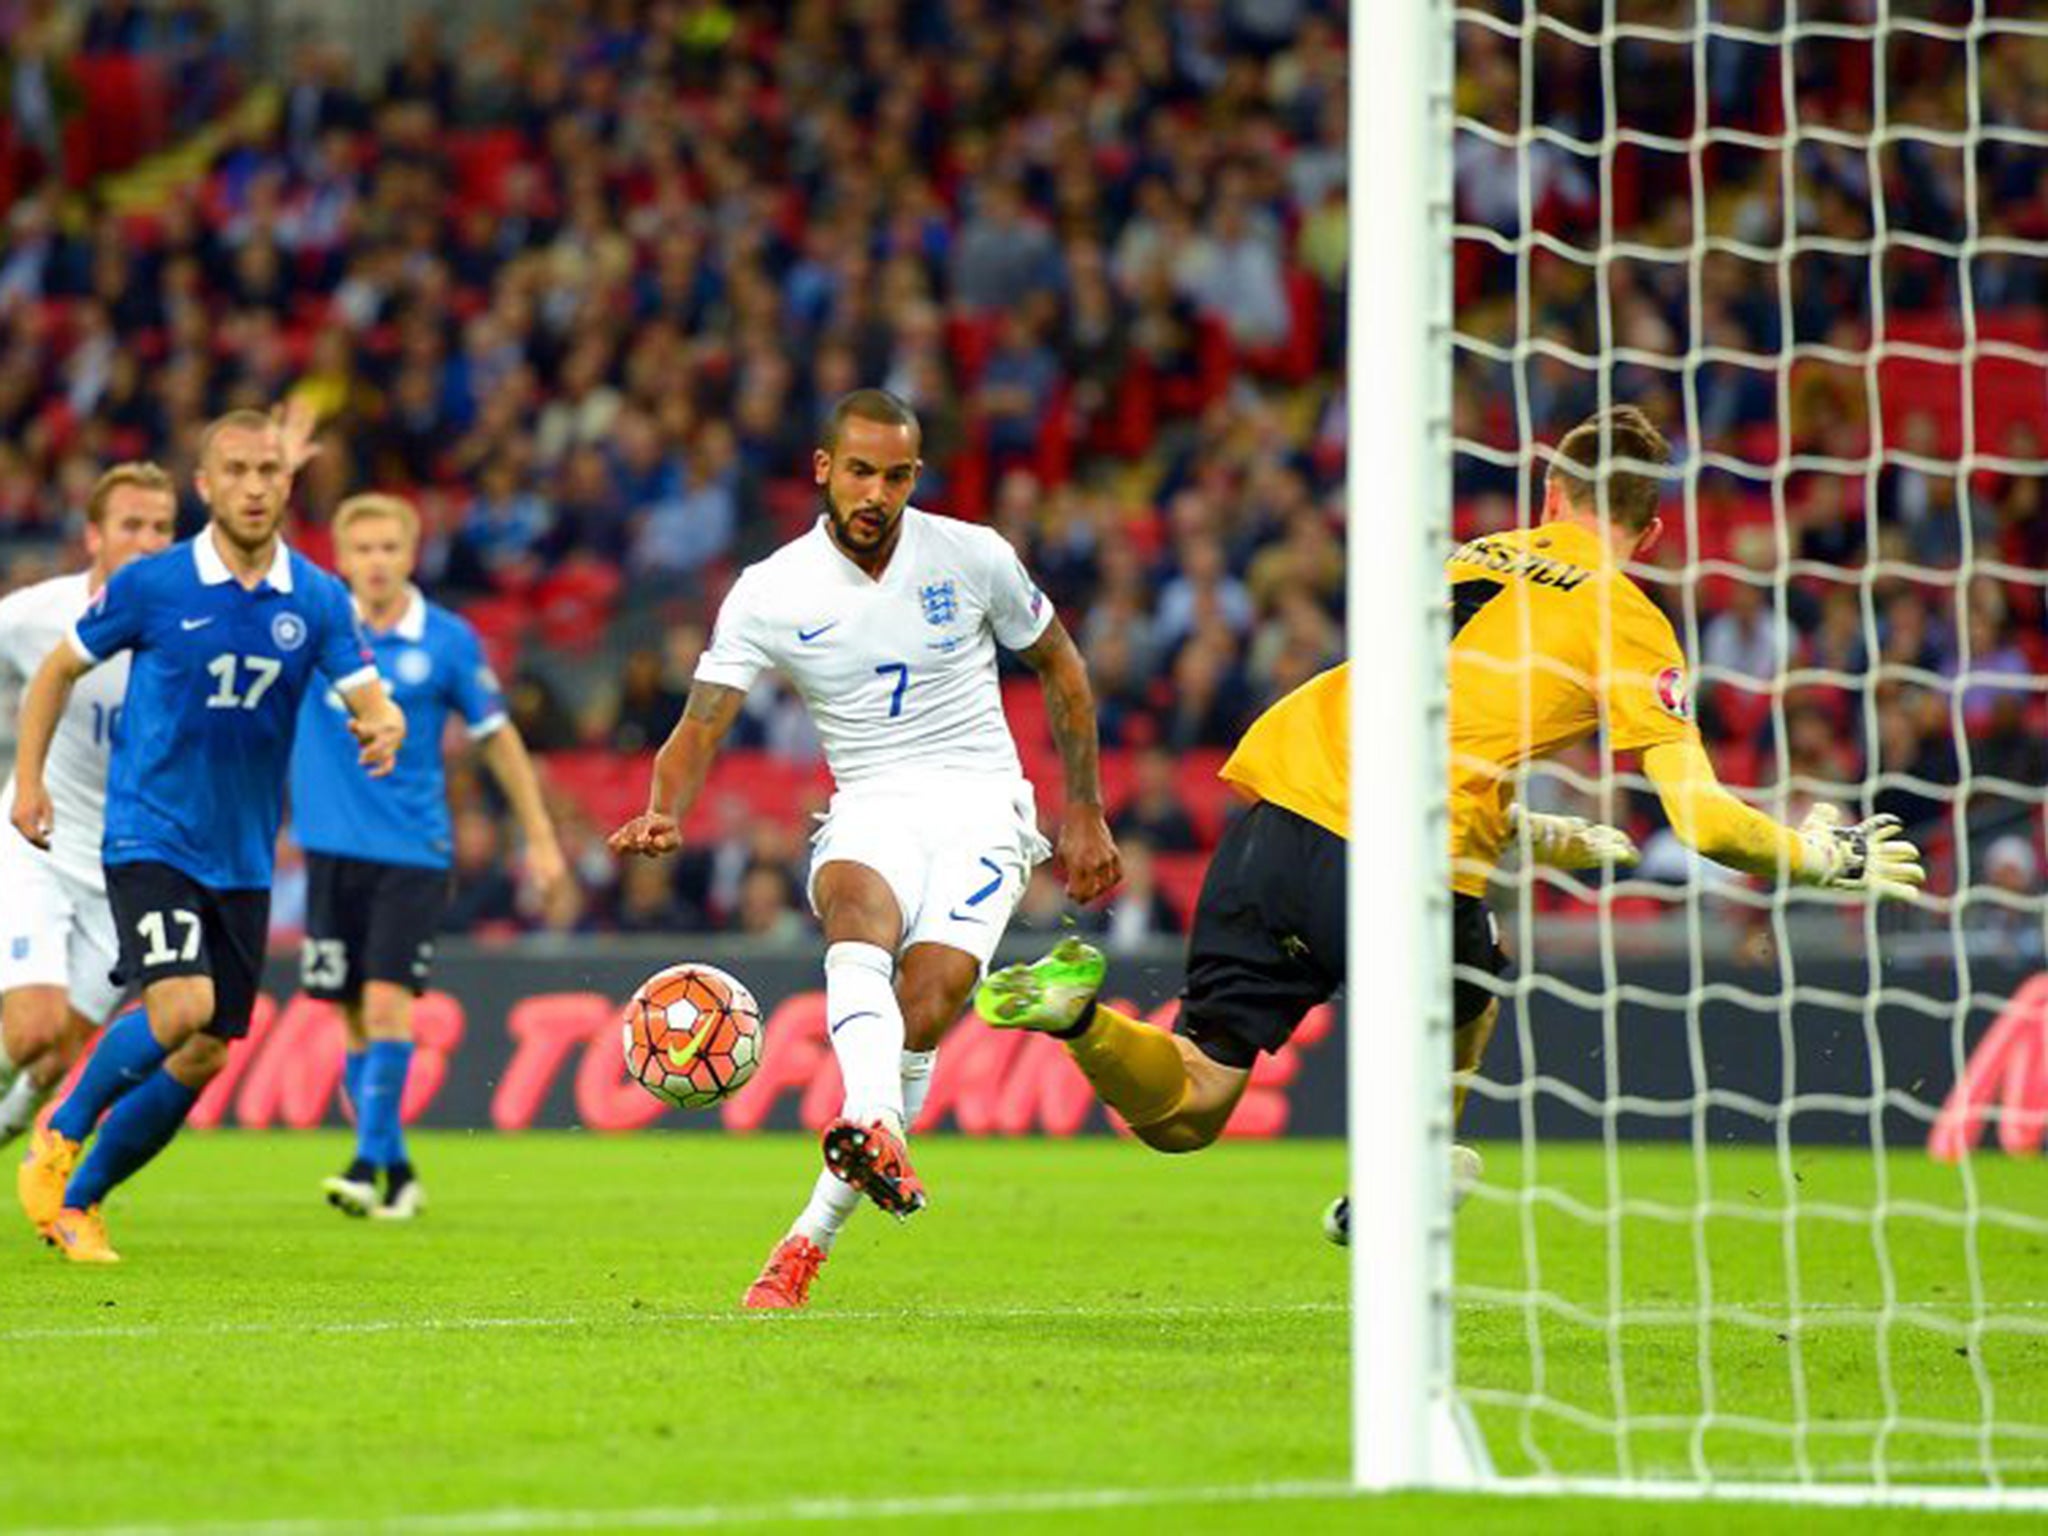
column 1753, row 1212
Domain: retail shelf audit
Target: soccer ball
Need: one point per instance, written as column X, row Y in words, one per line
column 692, row 1035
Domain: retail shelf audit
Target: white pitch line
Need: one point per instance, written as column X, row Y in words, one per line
column 1163, row 1313
column 736, row 1316
column 489, row 1522
column 1875, row 1309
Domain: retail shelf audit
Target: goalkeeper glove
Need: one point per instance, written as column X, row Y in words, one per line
column 1871, row 856
column 1572, row 842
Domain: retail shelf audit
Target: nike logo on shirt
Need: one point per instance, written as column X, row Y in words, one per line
column 195, row 623
column 808, row 635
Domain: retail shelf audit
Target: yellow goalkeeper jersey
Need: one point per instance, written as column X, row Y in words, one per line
column 1298, row 753
column 1535, row 666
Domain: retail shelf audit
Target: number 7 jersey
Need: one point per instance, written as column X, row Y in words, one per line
column 899, row 673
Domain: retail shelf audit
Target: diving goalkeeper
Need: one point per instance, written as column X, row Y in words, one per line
column 1550, row 641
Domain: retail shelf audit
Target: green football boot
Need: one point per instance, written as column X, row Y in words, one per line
column 1047, row 995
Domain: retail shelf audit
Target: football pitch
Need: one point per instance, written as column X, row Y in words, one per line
column 1078, row 1336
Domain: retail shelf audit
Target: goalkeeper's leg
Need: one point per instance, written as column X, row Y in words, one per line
column 1266, row 945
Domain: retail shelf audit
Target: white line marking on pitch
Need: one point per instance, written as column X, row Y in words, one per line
column 1158, row 1313
column 485, row 1521
column 1163, row 1313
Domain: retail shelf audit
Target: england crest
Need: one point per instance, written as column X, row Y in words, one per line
column 940, row 605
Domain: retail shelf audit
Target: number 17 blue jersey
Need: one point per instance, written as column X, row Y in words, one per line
column 217, row 674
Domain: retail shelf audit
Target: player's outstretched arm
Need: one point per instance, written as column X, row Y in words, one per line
column 41, row 708
column 1872, row 856
column 680, row 768
column 505, row 754
column 1086, row 849
column 378, row 725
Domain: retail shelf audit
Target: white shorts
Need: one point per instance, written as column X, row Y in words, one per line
column 55, row 930
column 957, row 858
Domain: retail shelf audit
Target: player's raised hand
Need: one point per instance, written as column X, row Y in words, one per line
column 1872, row 856
column 1572, row 842
column 651, row 833
column 296, row 422
column 379, row 736
column 34, row 817
column 1088, row 853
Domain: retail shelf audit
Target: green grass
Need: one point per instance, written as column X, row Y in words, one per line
column 560, row 1335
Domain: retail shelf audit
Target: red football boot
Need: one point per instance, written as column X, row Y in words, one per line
column 785, row 1281
column 872, row 1159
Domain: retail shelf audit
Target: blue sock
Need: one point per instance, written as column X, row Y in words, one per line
column 127, row 1054
column 381, row 1136
column 137, row 1128
column 352, row 1066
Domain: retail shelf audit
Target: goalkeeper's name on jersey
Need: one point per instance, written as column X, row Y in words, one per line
column 1540, row 569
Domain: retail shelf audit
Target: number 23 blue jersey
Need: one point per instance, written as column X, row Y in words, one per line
column 433, row 665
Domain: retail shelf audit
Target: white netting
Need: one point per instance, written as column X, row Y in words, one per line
column 1811, row 239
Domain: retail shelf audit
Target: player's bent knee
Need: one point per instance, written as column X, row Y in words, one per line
column 179, row 1007
column 386, row 1011
column 34, row 1021
column 1179, row 1133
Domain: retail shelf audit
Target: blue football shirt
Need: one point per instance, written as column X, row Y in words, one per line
column 433, row 665
column 218, row 670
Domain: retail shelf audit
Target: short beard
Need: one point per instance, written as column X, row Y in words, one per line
column 840, row 526
column 249, row 546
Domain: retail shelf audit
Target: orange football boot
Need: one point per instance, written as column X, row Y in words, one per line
column 43, row 1172
column 81, row 1236
column 873, row 1159
column 785, row 1281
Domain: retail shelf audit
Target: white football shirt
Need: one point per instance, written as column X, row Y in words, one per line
column 900, row 673
column 33, row 622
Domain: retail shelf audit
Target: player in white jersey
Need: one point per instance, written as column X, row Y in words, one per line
column 57, row 942
column 886, row 619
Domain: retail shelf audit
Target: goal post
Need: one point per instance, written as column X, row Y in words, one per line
column 1734, row 1239
column 1405, row 1428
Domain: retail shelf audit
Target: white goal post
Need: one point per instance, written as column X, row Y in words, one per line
column 1420, row 1417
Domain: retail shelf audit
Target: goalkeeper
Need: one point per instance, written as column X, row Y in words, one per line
column 1549, row 640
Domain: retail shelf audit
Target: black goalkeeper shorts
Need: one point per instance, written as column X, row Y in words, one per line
column 1267, row 942
column 1268, row 939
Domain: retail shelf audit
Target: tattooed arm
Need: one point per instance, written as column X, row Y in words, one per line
column 1085, row 848
column 680, row 768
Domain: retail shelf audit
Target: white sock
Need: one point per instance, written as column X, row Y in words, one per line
column 866, row 1024
column 19, row 1106
column 917, row 1068
column 832, row 1202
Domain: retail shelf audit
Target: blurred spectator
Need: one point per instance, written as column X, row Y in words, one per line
column 2009, row 915
column 483, row 893
column 647, row 708
column 1044, row 908
column 1138, row 911
column 1004, row 255
column 647, row 900
column 1154, row 814
column 1742, row 640
column 767, row 906
column 543, row 721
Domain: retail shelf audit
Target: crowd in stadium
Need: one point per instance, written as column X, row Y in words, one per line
column 580, row 288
